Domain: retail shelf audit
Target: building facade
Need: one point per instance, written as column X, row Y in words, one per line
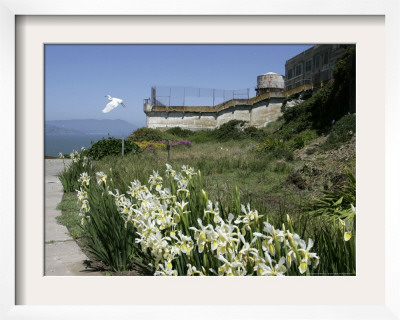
column 313, row 67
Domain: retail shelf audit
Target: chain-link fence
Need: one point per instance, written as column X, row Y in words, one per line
column 192, row 96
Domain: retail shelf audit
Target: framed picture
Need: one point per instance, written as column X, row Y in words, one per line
column 26, row 293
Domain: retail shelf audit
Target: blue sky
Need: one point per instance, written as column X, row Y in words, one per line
column 77, row 77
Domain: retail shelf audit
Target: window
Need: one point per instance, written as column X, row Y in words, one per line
column 317, row 62
column 290, row 74
column 308, row 65
column 298, row 69
column 326, row 58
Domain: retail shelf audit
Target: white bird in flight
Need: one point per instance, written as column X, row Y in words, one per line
column 114, row 102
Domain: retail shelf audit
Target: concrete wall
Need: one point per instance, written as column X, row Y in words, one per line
column 257, row 115
column 262, row 114
column 185, row 120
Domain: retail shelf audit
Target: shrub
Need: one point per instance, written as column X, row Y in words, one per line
column 342, row 131
column 301, row 140
column 269, row 145
column 146, row 134
column 182, row 143
column 285, row 153
column 179, row 132
column 276, row 148
column 231, row 130
column 253, row 133
column 151, row 145
column 203, row 136
column 111, row 146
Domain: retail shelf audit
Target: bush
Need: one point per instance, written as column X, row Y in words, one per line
column 275, row 148
column 179, row 143
column 151, row 145
column 179, row 132
column 281, row 153
column 162, row 145
column 232, row 130
column 203, row 136
column 146, row 134
column 269, row 145
column 253, row 133
column 111, row 146
column 301, row 140
column 342, row 131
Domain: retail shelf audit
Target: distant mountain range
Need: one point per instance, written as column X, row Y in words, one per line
column 90, row 126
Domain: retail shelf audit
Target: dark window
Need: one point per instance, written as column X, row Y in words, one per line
column 298, row 69
column 326, row 58
column 308, row 66
column 290, row 74
column 317, row 62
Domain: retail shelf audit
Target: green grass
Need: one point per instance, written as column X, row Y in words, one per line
column 69, row 203
column 223, row 166
column 70, row 215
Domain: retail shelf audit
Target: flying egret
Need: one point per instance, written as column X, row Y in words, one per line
column 113, row 104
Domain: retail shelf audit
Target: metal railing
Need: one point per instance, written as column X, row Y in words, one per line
column 195, row 96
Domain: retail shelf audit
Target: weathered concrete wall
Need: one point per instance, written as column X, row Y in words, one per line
column 258, row 115
column 262, row 114
column 185, row 120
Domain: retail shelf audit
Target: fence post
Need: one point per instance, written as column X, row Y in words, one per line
column 123, row 145
column 213, row 97
column 168, row 148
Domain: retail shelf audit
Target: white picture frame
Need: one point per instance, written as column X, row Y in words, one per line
column 9, row 9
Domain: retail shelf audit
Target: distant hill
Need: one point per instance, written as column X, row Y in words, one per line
column 90, row 126
column 53, row 129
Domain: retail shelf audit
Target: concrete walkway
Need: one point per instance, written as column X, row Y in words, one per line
column 63, row 256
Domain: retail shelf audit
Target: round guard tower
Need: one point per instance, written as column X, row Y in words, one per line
column 270, row 82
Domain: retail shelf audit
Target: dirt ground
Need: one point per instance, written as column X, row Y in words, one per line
column 323, row 170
